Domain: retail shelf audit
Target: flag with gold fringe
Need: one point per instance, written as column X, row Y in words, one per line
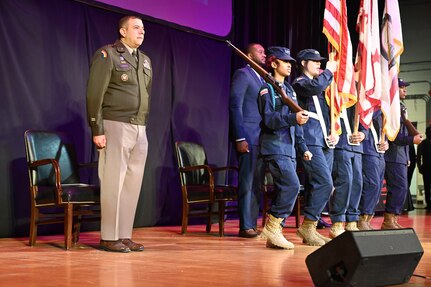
column 392, row 47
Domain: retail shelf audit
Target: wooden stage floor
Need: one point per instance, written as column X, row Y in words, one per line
column 172, row 259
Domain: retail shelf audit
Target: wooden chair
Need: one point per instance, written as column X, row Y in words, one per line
column 268, row 193
column 57, row 194
column 200, row 188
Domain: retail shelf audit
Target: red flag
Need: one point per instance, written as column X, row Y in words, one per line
column 392, row 47
column 336, row 30
column 367, row 66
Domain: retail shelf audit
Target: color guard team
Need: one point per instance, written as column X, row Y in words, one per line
column 344, row 172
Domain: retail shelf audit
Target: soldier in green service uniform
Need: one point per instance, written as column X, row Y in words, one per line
column 118, row 96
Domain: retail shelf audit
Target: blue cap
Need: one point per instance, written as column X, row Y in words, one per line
column 281, row 53
column 402, row 83
column 309, row 54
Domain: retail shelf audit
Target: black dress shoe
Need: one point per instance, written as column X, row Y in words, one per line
column 132, row 245
column 114, row 246
column 248, row 233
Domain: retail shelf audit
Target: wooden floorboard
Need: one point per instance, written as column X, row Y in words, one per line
column 172, row 259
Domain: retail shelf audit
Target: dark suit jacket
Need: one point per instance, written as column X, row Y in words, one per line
column 243, row 110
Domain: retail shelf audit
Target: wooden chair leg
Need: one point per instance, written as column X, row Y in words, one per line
column 68, row 223
column 185, row 219
column 221, row 213
column 209, row 218
column 33, row 226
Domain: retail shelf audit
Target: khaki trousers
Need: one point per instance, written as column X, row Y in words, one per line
column 121, row 170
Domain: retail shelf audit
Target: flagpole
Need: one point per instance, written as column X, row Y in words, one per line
column 332, row 97
column 382, row 132
column 356, row 125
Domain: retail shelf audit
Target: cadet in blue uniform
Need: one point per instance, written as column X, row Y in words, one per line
column 373, row 171
column 347, row 176
column 310, row 87
column 245, row 120
column 397, row 160
column 280, row 133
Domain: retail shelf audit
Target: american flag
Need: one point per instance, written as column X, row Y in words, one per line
column 340, row 46
column 367, row 66
column 392, row 47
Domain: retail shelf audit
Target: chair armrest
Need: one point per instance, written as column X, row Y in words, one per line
column 54, row 163
column 224, row 168
column 199, row 167
column 88, row 164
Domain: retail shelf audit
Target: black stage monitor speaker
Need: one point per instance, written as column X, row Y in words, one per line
column 366, row 258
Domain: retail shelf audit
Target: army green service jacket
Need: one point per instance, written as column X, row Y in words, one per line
column 118, row 88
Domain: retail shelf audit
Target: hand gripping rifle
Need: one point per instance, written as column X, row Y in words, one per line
column 410, row 127
column 268, row 78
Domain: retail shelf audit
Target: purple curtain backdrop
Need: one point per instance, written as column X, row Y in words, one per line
column 47, row 46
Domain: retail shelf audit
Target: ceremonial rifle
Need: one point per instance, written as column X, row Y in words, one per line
column 268, row 78
column 410, row 127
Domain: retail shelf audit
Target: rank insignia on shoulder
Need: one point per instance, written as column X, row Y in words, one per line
column 299, row 78
column 104, row 54
column 263, row 92
column 147, row 65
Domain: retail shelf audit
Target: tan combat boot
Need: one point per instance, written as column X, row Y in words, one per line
column 273, row 232
column 352, row 226
column 336, row 229
column 396, row 222
column 307, row 231
column 365, row 222
column 390, row 221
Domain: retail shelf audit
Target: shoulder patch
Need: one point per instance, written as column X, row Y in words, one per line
column 104, row 54
column 263, row 92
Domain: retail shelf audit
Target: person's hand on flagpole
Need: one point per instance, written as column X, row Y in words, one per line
column 333, row 139
column 358, row 137
column 331, row 66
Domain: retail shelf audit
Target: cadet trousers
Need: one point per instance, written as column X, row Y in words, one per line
column 373, row 172
column 286, row 184
column 396, row 185
column 347, row 175
column 319, row 176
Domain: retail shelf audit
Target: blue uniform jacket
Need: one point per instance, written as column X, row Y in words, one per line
column 368, row 145
column 398, row 151
column 305, row 88
column 243, row 110
column 279, row 129
column 343, row 142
